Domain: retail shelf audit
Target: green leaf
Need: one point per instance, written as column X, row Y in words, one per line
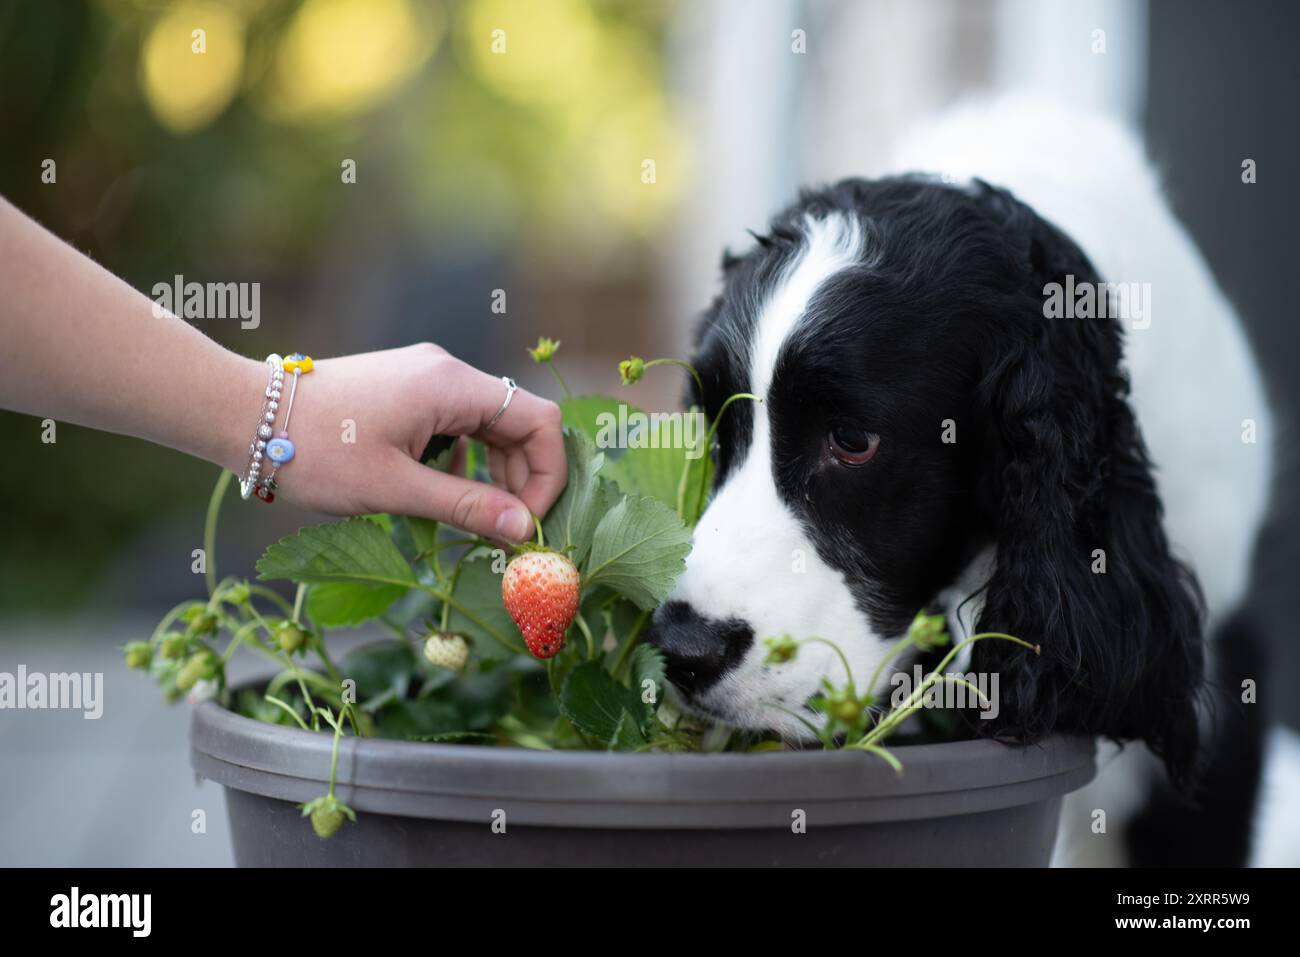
column 573, row 517
column 481, row 697
column 647, row 664
column 627, row 734
column 384, row 667
column 439, row 452
column 355, row 550
column 382, row 519
column 483, row 618
column 420, row 533
column 595, row 703
column 657, row 472
column 330, row 604
column 582, row 413
column 411, row 719
column 655, row 457
column 638, row 549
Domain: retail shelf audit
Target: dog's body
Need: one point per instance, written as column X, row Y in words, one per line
column 936, row 434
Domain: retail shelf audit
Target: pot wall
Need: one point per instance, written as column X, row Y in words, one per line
column 961, row 803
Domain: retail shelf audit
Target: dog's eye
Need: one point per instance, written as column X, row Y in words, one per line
column 852, row 446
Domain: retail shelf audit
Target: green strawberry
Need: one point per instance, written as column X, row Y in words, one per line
column 781, row 650
column 138, row 654
column 174, row 645
column 200, row 666
column 290, row 637
column 327, row 814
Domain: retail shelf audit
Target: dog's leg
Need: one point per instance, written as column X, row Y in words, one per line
column 1213, row 826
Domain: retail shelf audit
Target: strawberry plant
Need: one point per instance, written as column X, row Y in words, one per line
column 538, row 646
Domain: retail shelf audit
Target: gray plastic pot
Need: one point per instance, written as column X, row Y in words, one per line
column 959, row 804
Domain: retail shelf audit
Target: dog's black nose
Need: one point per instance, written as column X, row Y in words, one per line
column 698, row 649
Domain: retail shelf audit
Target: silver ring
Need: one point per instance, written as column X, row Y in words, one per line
column 511, row 388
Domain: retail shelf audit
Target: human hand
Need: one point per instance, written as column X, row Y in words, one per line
column 396, row 401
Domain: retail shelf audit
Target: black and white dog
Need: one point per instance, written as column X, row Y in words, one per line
column 951, row 420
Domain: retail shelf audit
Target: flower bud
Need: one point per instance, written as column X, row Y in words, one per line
column 545, row 350
column 631, row 370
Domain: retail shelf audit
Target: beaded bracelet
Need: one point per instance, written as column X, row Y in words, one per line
column 265, row 420
column 280, row 450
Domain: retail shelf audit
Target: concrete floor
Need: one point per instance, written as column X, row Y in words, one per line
column 116, row 791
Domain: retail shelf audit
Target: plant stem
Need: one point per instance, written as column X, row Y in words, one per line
column 625, row 650
column 270, row 596
column 591, row 641
column 840, row 654
column 210, row 529
column 294, row 714
column 713, row 431
column 909, row 706
column 297, row 603
column 171, row 616
column 893, row 654
column 699, row 384
column 564, row 387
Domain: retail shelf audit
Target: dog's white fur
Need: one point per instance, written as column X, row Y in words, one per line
column 1195, row 388
column 752, row 559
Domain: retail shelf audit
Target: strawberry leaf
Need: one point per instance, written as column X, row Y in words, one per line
column 652, row 457
column 572, row 519
column 331, row 604
column 595, row 703
column 647, row 665
column 638, row 549
column 355, row 550
column 658, row 471
column 627, row 734
column 582, row 413
column 481, row 617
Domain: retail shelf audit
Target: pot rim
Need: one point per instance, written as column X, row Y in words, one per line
column 598, row 789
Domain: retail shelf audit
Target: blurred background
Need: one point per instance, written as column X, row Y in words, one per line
column 591, row 159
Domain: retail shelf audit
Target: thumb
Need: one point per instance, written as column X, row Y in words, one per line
column 473, row 506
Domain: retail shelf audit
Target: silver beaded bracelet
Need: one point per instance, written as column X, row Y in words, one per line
column 280, row 450
column 265, row 425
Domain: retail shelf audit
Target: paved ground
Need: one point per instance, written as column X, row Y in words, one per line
column 112, row 791
column 116, row 791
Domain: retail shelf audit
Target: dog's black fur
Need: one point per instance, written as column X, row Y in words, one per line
column 943, row 319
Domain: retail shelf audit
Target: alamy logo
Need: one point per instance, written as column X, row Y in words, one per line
column 1098, row 300
column 35, row 690
column 652, row 430
column 102, row 910
column 959, row 691
column 209, row 300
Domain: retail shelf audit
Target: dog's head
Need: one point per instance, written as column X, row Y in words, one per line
column 927, row 438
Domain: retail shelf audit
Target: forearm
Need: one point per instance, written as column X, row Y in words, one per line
column 79, row 345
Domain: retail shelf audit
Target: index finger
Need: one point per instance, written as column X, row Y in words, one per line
column 531, row 424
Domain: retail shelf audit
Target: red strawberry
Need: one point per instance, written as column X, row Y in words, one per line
column 540, row 590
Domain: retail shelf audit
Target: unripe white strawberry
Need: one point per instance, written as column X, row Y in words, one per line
column 446, row 650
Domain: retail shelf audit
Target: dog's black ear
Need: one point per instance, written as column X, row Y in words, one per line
column 1083, row 567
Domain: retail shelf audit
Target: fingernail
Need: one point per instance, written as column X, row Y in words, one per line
column 515, row 524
